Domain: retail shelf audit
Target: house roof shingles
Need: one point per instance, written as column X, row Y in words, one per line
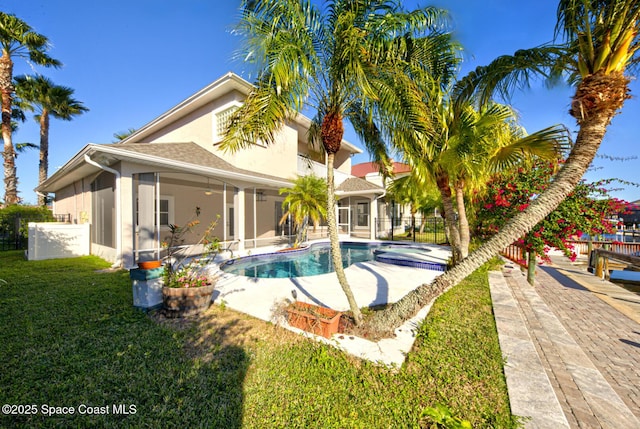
column 189, row 153
column 355, row 184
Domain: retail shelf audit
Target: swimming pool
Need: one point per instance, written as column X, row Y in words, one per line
column 316, row 259
column 311, row 261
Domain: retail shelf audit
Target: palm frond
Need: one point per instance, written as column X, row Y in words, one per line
column 549, row 143
column 506, row 73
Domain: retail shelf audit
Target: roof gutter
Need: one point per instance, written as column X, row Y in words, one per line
column 118, row 262
column 369, row 191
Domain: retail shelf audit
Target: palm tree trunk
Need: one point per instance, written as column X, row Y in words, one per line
column 463, row 222
column 592, row 130
column 413, row 221
column 43, row 167
column 336, row 254
column 442, row 181
column 9, row 154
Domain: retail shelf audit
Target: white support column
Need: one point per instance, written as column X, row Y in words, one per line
column 255, row 219
column 373, row 215
column 349, row 217
column 239, row 216
column 157, row 210
column 127, row 215
column 224, row 212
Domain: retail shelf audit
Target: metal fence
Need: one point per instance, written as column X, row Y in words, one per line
column 14, row 229
column 427, row 230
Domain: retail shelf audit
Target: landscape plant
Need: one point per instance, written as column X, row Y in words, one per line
column 347, row 60
column 17, row 40
column 180, row 273
column 588, row 209
column 40, row 94
column 305, row 201
column 599, row 41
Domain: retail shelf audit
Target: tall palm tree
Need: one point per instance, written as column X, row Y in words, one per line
column 348, row 61
column 600, row 44
column 17, row 39
column 306, row 201
column 41, row 95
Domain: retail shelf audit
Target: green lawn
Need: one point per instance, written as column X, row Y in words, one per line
column 71, row 338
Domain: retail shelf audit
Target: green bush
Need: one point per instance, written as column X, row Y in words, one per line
column 9, row 214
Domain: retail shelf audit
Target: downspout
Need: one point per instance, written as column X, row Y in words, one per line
column 118, row 262
column 40, row 194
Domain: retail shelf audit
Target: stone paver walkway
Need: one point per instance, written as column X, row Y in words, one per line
column 589, row 350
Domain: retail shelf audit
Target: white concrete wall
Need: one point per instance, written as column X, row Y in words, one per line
column 52, row 240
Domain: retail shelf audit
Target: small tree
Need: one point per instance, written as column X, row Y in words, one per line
column 586, row 210
column 305, row 201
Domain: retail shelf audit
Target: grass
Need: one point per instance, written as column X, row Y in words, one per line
column 71, row 337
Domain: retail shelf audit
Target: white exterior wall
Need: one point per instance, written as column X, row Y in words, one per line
column 53, row 240
column 278, row 159
column 75, row 199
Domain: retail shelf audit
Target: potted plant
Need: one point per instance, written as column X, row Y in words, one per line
column 188, row 288
column 313, row 318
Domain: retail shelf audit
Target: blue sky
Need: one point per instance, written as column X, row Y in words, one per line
column 130, row 61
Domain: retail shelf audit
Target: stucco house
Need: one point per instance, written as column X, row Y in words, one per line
column 391, row 216
column 132, row 190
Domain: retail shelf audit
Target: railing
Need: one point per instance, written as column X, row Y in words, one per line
column 581, row 247
column 427, row 230
column 515, row 254
column 307, row 166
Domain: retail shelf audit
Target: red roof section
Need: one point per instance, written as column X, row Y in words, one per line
column 364, row 168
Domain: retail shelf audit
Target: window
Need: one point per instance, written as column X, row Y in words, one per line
column 222, row 119
column 166, row 211
column 362, row 214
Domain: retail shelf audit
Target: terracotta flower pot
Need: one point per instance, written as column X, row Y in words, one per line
column 179, row 302
column 312, row 318
column 149, row 265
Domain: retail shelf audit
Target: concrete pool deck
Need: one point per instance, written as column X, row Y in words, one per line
column 372, row 283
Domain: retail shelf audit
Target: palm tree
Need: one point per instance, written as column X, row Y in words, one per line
column 471, row 144
column 348, row 61
column 488, row 140
column 40, row 94
column 409, row 190
column 600, row 44
column 121, row 135
column 305, row 201
column 17, row 39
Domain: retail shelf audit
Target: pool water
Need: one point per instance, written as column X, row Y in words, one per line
column 312, row 261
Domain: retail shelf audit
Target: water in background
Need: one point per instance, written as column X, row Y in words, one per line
column 624, row 238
